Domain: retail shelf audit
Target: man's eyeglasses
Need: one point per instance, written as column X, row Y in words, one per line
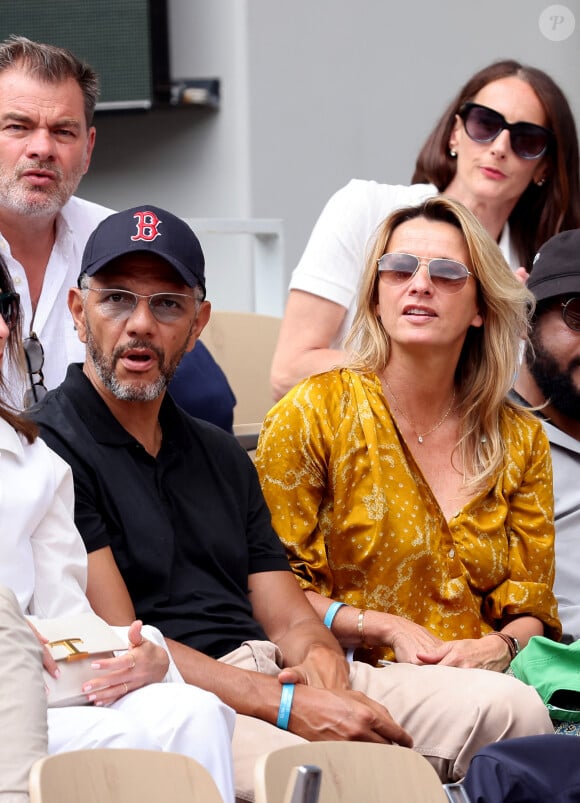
column 10, row 309
column 34, row 354
column 571, row 313
column 119, row 305
column 447, row 275
column 482, row 124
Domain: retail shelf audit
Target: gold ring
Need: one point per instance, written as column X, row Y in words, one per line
column 126, row 688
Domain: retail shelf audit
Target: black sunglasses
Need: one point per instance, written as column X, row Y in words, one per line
column 10, row 309
column 571, row 313
column 34, row 354
column 482, row 124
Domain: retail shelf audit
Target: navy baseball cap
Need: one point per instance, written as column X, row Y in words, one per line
column 150, row 229
column 556, row 268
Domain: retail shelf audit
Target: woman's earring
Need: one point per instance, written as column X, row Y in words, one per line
column 540, row 182
column 452, row 153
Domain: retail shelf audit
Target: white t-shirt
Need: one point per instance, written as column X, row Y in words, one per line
column 52, row 322
column 333, row 261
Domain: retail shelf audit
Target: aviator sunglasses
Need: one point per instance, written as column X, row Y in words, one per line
column 482, row 124
column 571, row 313
column 447, row 275
column 10, row 309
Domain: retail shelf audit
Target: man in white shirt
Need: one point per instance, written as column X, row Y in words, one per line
column 550, row 378
column 47, row 100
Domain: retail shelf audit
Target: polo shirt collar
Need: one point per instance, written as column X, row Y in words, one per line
column 561, row 438
column 104, row 426
column 555, row 434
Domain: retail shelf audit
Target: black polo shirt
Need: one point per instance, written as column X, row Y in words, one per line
column 186, row 528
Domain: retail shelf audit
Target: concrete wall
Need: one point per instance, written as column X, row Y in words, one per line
column 314, row 92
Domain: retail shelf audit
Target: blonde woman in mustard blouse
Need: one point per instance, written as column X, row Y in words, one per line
column 407, row 486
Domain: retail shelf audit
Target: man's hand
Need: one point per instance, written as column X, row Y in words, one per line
column 320, row 714
column 326, row 708
column 322, row 668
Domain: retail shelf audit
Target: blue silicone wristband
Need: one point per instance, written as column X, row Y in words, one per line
column 285, row 706
column 331, row 612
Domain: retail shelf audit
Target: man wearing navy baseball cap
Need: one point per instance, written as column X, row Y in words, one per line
column 142, row 230
column 550, row 379
column 197, row 383
column 128, row 251
column 179, row 535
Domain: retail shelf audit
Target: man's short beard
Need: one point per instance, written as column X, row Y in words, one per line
column 132, row 390
column 557, row 385
column 37, row 202
column 127, row 391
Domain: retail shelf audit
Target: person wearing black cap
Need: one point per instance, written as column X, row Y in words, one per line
column 540, row 768
column 550, row 379
column 178, row 532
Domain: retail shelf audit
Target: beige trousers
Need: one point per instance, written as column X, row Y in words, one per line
column 22, row 701
column 450, row 713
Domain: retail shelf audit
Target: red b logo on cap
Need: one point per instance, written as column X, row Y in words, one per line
column 147, row 226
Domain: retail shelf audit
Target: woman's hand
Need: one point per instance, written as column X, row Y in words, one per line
column 522, row 275
column 142, row 664
column 406, row 638
column 48, row 661
column 480, row 653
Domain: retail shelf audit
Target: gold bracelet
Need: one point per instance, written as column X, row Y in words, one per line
column 360, row 627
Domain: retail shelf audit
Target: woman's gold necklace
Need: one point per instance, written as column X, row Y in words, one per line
column 421, row 436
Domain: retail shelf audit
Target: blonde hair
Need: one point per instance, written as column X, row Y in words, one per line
column 490, row 355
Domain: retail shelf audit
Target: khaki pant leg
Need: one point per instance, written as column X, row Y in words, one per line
column 450, row 712
column 22, row 701
column 252, row 736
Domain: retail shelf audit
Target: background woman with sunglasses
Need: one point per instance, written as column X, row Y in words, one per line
column 506, row 147
column 44, row 563
column 415, row 499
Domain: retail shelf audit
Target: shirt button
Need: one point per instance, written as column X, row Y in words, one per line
column 451, row 553
column 17, row 280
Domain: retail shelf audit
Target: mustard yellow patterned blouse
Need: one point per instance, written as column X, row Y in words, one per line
column 361, row 525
